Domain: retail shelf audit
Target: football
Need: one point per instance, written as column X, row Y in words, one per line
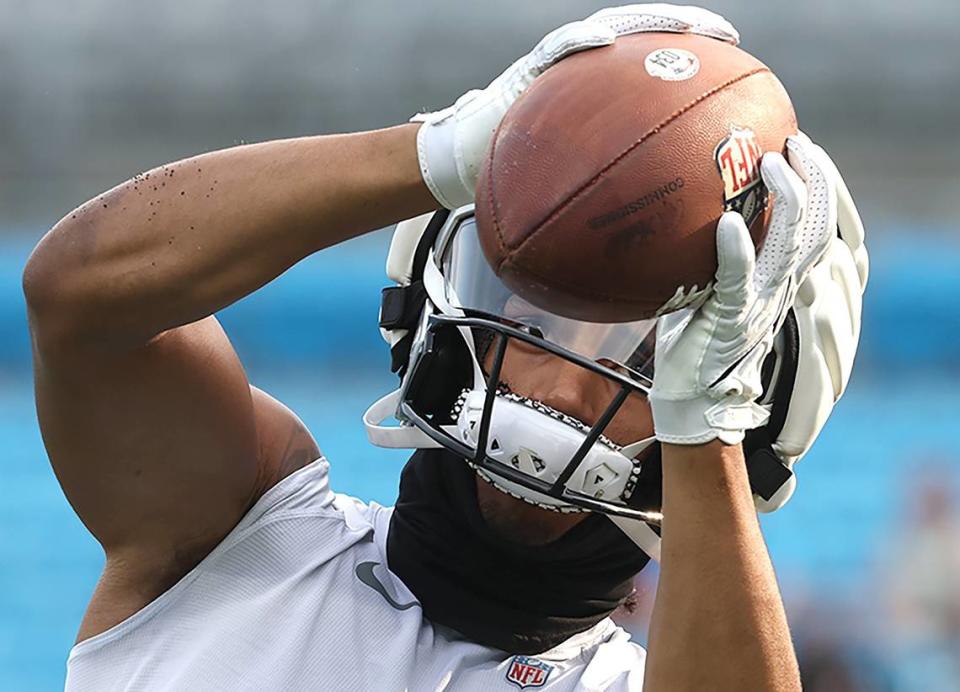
column 603, row 185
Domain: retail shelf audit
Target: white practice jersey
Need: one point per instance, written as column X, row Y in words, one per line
column 299, row 597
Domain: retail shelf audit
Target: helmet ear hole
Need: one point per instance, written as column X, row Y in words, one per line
column 438, row 381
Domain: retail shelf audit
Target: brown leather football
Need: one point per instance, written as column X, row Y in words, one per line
column 604, row 183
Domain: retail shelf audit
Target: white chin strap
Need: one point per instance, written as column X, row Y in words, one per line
column 395, row 436
column 549, row 440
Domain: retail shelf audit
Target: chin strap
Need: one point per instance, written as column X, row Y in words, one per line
column 393, row 436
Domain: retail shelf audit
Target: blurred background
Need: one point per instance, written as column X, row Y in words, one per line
column 95, row 91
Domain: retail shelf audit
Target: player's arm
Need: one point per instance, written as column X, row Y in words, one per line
column 718, row 621
column 155, row 435
column 178, row 243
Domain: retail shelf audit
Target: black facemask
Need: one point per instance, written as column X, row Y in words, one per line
column 520, row 599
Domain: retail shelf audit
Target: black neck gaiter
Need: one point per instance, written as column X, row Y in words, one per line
column 520, row 599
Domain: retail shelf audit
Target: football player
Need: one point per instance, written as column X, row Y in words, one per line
column 554, row 457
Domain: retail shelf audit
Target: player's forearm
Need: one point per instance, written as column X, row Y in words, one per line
column 178, row 243
column 718, row 621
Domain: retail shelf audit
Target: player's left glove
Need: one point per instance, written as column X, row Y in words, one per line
column 814, row 352
column 708, row 360
column 452, row 142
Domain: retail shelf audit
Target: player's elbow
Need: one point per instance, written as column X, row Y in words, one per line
column 52, row 282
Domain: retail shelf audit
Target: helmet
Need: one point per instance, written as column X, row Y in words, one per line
column 448, row 321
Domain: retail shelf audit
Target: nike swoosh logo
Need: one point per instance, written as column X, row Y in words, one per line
column 365, row 574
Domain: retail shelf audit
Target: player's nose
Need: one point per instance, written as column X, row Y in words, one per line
column 575, row 391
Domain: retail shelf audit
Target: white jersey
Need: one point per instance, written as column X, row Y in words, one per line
column 299, row 597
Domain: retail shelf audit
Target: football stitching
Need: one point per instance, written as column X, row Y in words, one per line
column 590, row 183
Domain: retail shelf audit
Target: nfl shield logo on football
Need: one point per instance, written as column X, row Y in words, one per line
column 524, row 671
column 738, row 161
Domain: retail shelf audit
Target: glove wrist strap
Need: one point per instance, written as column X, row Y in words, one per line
column 703, row 419
column 436, row 141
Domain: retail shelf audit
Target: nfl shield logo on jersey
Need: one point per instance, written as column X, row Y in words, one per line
column 524, row 671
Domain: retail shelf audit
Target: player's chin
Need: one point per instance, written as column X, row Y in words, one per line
column 519, row 522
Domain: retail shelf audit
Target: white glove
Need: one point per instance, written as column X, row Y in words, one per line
column 452, row 142
column 812, row 372
column 708, row 359
column 828, row 308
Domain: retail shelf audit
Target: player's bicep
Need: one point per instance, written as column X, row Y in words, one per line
column 155, row 448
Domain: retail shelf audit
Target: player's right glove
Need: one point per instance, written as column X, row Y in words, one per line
column 452, row 142
column 708, row 369
column 814, row 351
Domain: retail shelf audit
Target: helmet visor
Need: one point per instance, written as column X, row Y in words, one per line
column 471, row 285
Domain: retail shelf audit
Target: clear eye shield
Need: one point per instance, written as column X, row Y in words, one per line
column 470, row 286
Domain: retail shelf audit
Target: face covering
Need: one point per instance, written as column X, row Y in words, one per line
column 517, row 598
